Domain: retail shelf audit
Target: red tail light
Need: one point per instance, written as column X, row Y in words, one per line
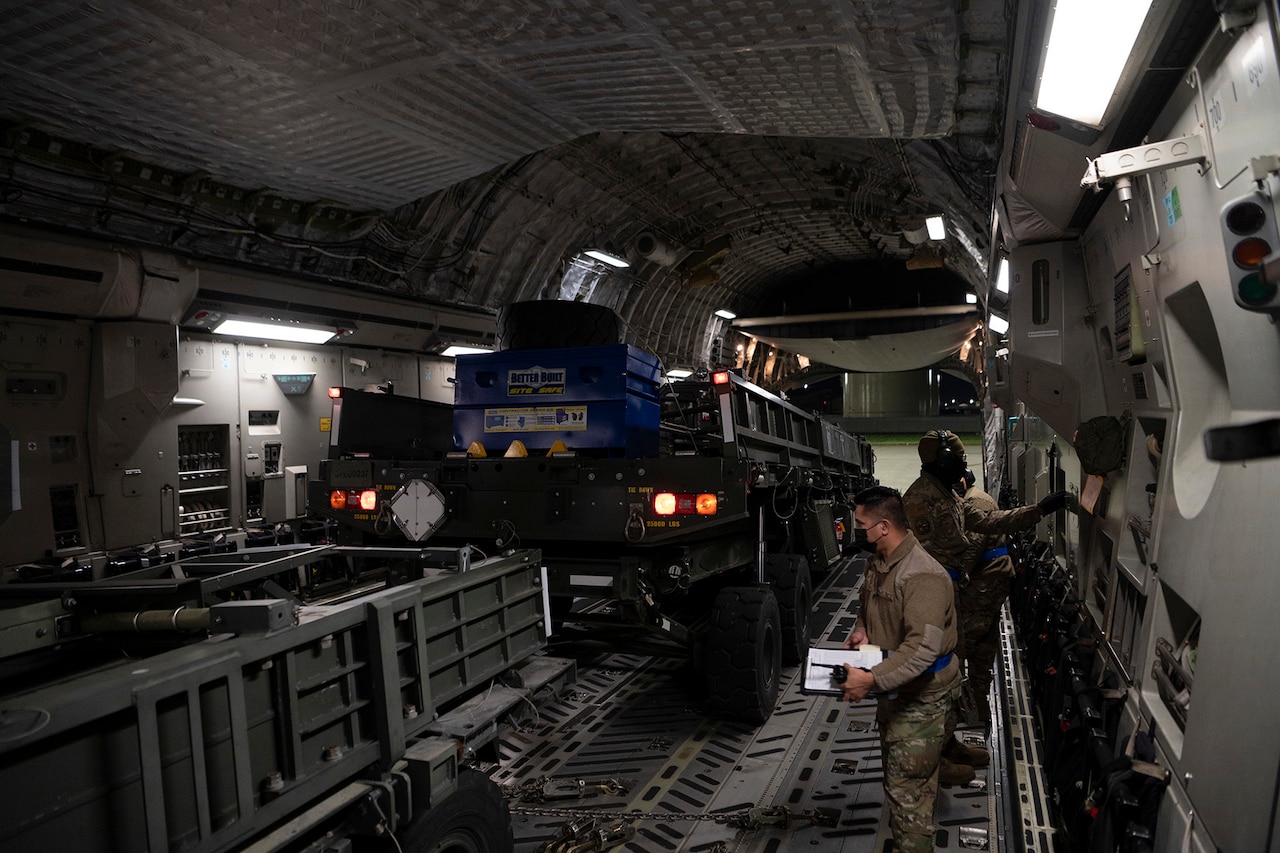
column 672, row 503
column 366, row 499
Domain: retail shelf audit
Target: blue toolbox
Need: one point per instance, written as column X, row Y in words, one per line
column 602, row 399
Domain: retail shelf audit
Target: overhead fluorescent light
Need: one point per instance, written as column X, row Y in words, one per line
column 1089, row 44
column 971, row 298
column 605, row 257
column 463, row 349
column 291, row 332
column 998, row 324
column 726, row 314
column 679, row 373
column 937, row 230
column 1002, row 276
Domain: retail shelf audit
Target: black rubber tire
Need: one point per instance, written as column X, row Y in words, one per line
column 744, row 652
column 474, row 820
column 792, row 584
column 547, row 323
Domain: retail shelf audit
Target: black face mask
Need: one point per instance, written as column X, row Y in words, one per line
column 861, row 542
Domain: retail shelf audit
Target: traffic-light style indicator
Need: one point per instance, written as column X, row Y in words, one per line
column 1250, row 237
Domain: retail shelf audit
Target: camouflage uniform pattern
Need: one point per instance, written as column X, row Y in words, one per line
column 907, row 606
column 944, row 523
column 948, row 529
column 912, row 731
column 979, row 605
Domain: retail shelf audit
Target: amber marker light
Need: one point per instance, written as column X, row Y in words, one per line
column 706, row 504
column 338, row 500
column 1249, row 254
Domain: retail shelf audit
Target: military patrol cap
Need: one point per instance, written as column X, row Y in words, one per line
column 932, row 444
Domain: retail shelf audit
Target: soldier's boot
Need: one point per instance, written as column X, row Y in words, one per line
column 959, row 753
column 950, row 773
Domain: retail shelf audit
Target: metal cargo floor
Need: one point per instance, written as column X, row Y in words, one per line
column 637, row 718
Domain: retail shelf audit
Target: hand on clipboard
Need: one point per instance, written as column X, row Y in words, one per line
column 827, row 672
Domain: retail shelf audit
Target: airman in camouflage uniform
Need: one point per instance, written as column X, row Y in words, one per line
column 980, row 601
column 942, row 522
column 906, row 606
column 954, row 533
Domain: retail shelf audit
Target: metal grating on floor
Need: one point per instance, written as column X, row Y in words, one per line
column 638, row 720
column 1031, row 793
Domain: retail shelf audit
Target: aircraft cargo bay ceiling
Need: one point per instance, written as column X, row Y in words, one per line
column 775, row 159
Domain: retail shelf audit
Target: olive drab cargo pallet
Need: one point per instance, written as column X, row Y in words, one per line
column 202, row 705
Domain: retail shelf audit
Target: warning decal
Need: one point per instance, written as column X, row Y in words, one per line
column 535, row 419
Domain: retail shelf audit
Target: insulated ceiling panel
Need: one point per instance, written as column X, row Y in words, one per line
column 295, row 96
column 472, row 148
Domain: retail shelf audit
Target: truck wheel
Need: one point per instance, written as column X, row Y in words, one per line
column 744, row 648
column 793, row 587
column 547, row 323
column 474, row 820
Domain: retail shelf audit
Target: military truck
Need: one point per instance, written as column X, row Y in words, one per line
column 687, row 515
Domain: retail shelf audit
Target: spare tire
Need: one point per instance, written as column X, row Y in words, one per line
column 544, row 324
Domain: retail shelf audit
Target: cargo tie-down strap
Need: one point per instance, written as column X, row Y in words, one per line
column 988, row 556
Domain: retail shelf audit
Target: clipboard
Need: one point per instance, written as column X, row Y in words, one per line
column 817, row 667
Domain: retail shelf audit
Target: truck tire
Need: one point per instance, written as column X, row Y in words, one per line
column 474, row 819
column 548, row 323
column 793, row 586
column 744, row 651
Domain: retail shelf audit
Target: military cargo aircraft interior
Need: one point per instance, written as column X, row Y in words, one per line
column 450, row 426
